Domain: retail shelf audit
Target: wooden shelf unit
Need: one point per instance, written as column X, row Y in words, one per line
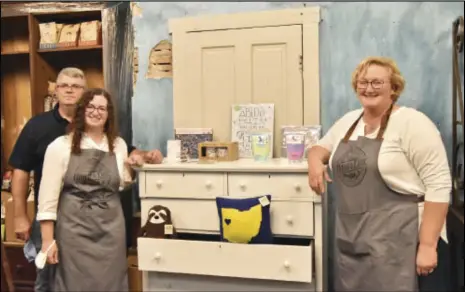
column 83, row 48
column 26, row 69
column 15, row 35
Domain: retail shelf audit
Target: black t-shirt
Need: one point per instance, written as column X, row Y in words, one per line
column 29, row 151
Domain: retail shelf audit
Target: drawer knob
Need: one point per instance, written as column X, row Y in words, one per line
column 157, row 256
column 242, row 186
column 159, row 183
column 287, row 264
column 208, row 184
column 297, row 187
column 290, row 219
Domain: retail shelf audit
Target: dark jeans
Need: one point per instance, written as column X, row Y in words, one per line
column 440, row 279
column 45, row 277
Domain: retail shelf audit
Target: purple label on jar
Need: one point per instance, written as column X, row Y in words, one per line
column 295, row 151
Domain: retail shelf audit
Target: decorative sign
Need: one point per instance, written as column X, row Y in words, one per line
column 190, row 139
column 249, row 118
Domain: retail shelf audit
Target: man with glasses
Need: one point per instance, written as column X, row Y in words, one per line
column 28, row 155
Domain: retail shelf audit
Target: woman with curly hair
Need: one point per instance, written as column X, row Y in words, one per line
column 82, row 174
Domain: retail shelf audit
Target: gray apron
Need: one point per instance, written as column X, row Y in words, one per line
column 90, row 229
column 376, row 229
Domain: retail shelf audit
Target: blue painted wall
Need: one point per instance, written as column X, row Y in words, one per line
column 416, row 35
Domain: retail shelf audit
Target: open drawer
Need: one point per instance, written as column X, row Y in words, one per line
column 201, row 215
column 255, row 261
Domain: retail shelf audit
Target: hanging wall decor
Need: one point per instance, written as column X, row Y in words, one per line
column 160, row 61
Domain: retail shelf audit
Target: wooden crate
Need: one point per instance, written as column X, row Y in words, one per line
column 218, row 151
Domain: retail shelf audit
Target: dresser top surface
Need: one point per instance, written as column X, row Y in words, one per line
column 241, row 165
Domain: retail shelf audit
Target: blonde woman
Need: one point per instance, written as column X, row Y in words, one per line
column 392, row 182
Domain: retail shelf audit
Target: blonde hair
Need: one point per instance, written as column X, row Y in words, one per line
column 397, row 81
column 73, row 73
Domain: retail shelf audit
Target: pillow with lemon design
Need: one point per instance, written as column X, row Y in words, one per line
column 245, row 220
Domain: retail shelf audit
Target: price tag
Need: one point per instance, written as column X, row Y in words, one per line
column 168, row 229
column 264, row 201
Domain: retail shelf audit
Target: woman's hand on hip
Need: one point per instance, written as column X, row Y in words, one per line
column 318, row 176
column 427, row 259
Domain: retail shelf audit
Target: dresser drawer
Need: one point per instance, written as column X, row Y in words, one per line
column 188, row 215
column 292, row 218
column 201, row 215
column 280, row 186
column 268, row 262
column 184, row 184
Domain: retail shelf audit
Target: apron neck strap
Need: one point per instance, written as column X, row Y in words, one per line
column 382, row 129
column 384, row 122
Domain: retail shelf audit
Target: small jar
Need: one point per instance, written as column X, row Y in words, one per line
column 222, row 152
column 211, row 153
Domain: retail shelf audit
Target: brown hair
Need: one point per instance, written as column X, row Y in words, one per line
column 397, row 81
column 77, row 127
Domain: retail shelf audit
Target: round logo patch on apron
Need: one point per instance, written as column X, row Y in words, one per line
column 352, row 168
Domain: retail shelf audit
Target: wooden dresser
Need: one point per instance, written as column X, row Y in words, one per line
column 23, row 272
column 192, row 263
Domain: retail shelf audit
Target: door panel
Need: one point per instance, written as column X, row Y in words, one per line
column 221, row 68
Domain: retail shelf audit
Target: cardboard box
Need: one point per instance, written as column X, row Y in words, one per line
column 134, row 275
column 10, row 235
column 218, row 151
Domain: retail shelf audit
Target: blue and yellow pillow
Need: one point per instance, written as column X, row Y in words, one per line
column 245, row 220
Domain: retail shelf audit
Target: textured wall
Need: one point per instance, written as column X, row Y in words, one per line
column 417, row 35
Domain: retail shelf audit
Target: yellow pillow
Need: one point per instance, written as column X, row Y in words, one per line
column 245, row 220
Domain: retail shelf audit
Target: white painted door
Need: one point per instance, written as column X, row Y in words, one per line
column 215, row 69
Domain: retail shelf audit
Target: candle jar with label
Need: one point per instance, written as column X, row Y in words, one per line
column 295, row 144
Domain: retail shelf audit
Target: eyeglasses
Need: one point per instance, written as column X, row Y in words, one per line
column 375, row 84
column 70, row 86
column 91, row 108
